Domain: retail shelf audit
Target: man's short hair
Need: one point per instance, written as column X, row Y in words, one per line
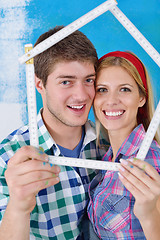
column 75, row 47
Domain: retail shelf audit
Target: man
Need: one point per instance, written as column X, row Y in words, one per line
column 38, row 200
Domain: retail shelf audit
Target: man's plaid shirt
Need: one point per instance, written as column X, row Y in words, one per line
column 59, row 208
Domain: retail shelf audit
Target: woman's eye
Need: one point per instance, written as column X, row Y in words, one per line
column 125, row 89
column 101, row 90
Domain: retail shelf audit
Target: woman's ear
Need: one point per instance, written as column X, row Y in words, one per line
column 38, row 84
column 142, row 101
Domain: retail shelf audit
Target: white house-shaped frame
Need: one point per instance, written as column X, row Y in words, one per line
column 31, row 95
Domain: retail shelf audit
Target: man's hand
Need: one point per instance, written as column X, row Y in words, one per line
column 27, row 173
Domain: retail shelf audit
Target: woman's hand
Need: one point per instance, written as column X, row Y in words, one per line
column 143, row 181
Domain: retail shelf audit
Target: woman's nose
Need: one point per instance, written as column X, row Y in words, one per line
column 112, row 98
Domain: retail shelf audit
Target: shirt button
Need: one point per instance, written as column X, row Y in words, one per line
column 111, row 207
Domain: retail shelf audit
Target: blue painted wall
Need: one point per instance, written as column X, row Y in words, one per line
column 22, row 22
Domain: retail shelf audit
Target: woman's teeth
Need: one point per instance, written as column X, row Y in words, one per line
column 113, row 113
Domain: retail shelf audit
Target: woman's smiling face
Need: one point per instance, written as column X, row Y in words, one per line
column 117, row 99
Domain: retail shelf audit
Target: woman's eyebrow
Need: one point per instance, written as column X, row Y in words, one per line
column 126, row 84
column 123, row 84
column 101, row 84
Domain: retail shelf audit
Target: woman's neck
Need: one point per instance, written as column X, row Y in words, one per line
column 116, row 139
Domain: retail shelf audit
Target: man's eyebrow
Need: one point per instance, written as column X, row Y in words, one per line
column 66, row 76
column 91, row 75
column 74, row 77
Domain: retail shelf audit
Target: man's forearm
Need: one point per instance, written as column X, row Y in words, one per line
column 15, row 225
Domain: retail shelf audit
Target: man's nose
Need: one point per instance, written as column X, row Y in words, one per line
column 81, row 92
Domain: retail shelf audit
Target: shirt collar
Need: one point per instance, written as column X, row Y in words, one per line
column 133, row 142
column 45, row 139
column 90, row 133
column 131, row 145
column 47, row 142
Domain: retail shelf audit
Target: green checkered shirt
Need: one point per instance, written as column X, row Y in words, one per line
column 59, row 209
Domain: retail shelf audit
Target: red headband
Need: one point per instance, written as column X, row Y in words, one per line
column 134, row 60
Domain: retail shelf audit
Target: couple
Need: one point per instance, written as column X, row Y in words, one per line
column 41, row 201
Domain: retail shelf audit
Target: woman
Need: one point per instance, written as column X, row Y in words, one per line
column 125, row 204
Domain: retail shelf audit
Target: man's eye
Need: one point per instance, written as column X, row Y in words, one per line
column 65, row 82
column 90, row 80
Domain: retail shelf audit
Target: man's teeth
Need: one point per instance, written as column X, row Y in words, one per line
column 114, row 113
column 77, row 107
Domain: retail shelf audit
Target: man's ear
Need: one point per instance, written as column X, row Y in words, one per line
column 38, row 84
